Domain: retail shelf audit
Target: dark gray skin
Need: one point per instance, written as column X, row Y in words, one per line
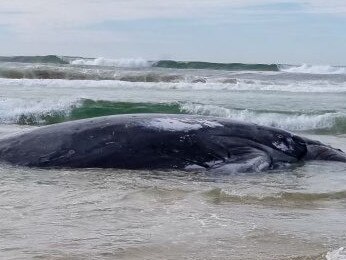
column 156, row 141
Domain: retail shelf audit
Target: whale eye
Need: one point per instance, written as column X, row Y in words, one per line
column 282, row 143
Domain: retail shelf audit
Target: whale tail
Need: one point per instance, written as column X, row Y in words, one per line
column 319, row 151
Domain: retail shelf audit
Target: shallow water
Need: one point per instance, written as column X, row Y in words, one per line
column 107, row 214
column 294, row 213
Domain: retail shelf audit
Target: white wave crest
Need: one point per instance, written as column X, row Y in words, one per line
column 338, row 254
column 302, row 122
column 123, row 63
column 314, row 69
column 319, row 87
column 12, row 110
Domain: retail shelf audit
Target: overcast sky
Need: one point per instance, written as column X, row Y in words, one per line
column 253, row 31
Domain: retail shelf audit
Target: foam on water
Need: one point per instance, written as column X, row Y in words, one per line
column 291, row 122
column 338, row 254
column 313, row 69
column 307, row 87
column 53, row 110
column 123, row 63
column 33, row 111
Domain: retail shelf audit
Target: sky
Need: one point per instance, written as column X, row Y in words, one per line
column 249, row 31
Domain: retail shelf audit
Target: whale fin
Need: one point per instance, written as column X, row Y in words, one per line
column 245, row 160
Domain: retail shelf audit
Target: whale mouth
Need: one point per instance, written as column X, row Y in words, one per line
column 319, row 151
column 325, row 153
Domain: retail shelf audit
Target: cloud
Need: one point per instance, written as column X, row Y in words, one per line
column 326, row 7
column 73, row 26
column 46, row 19
column 35, row 15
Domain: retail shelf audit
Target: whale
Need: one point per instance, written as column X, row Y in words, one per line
column 162, row 142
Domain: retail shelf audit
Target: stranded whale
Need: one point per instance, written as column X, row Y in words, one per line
column 158, row 141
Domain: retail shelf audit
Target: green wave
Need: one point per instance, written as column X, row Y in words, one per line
column 215, row 66
column 339, row 127
column 87, row 108
column 34, row 59
column 91, row 108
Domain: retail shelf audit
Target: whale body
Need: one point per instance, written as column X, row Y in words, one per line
column 159, row 141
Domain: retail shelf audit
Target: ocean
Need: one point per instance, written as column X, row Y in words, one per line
column 294, row 213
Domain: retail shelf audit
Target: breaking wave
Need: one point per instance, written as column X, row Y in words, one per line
column 313, row 69
column 142, row 63
column 172, row 64
column 325, row 122
column 17, row 111
column 176, row 82
column 122, row 63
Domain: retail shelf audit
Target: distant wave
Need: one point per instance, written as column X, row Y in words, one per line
column 123, row 63
column 140, row 63
column 35, row 59
column 313, row 69
column 13, row 111
column 53, row 59
column 172, row 64
column 215, row 66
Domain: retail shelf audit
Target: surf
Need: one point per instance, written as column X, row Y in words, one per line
column 16, row 111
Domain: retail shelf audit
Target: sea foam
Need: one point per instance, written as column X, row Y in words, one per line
column 23, row 111
column 256, row 85
column 123, row 63
column 292, row 122
column 338, row 254
column 313, row 69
